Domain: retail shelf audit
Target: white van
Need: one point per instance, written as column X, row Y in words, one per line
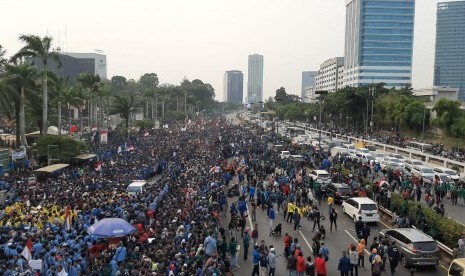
column 363, row 207
column 136, row 187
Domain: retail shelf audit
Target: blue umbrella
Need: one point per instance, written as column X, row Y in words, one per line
column 111, row 228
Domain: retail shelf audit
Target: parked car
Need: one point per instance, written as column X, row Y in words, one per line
column 322, row 176
column 443, row 178
column 415, row 247
column 378, row 156
column 338, row 191
column 424, row 172
column 453, row 174
column 284, row 154
column 410, row 163
column 363, row 207
column 398, row 156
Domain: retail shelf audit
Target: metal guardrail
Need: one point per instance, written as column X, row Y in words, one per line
column 441, row 246
column 411, row 153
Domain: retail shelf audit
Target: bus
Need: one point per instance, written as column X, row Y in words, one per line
column 419, row 146
column 294, row 131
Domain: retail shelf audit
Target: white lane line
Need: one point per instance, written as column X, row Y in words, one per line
column 366, row 251
column 305, row 240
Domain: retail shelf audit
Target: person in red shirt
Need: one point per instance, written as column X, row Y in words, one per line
column 300, row 264
column 320, row 265
column 287, row 244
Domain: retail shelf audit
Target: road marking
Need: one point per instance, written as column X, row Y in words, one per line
column 366, row 251
column 305, row 240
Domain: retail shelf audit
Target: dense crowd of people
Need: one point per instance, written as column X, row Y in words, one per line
column 191, row 160
column 181, row 220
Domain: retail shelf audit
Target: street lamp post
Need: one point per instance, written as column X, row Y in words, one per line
column 423, row 130
column 367, row 115
column 321, row 92
column 372, row 94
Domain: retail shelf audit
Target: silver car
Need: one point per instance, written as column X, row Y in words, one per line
column 415, row 247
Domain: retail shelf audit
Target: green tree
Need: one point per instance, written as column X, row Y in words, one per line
column 118, row 83
column 40, row 48
column 448, row 112
column 21, row 79
column 148, row 80
column 124, row 106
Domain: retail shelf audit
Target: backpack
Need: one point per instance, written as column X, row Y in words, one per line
column 309, row 269
column 381, row 250
column 377, row 268
column 316, row 215
column 291, row 262
column 263, row 261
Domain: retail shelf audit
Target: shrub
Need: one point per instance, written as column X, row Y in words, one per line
column 443, row 229
column 68, row 147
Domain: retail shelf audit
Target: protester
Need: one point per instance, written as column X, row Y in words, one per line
column 320, row 265
column 344, row 264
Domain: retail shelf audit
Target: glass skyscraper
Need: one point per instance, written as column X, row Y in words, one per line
column 233, row 87
column 255, row 79
column 379, row 42
column 449, row 64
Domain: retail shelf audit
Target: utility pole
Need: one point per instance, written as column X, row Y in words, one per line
column 321, row 93
column 372, row 94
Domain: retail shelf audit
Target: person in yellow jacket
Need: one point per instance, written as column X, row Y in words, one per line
column 330, row 204
column 290, row 211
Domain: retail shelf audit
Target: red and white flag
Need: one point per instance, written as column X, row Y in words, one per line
column 98, row 166
column 27, row 251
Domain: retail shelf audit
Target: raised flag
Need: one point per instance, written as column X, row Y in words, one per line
column 27, row 251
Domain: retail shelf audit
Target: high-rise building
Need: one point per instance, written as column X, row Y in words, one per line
column 73, row 64
column 255, row 79
column 233, row 87
column 308, row 80
column 379, row 42
column 449, row 63
column 330, row 75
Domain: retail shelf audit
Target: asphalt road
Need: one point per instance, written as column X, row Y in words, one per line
column 337, row 241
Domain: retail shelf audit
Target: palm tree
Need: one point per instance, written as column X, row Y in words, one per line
column 63, row 91
column 91, row 84
column 21, row 78
column 40, row 48
column 124, row 106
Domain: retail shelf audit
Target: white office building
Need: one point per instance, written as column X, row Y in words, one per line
column 331, row 75
column 308, row 80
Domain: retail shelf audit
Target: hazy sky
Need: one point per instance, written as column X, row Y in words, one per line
column 204, row 38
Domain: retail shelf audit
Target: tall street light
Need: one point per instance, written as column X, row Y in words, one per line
column 321, row 93
column 367, row 115
column 277, row 120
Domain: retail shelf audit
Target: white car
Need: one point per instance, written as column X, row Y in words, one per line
column 363, row 207
column 378, row 156
column 391, row 162
column 424, row 172
column 362, row 150
column 397, row 161
column 410, row 163
column 398, row 156
column 453, row 175
column 443, row 178
column 284, row 154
